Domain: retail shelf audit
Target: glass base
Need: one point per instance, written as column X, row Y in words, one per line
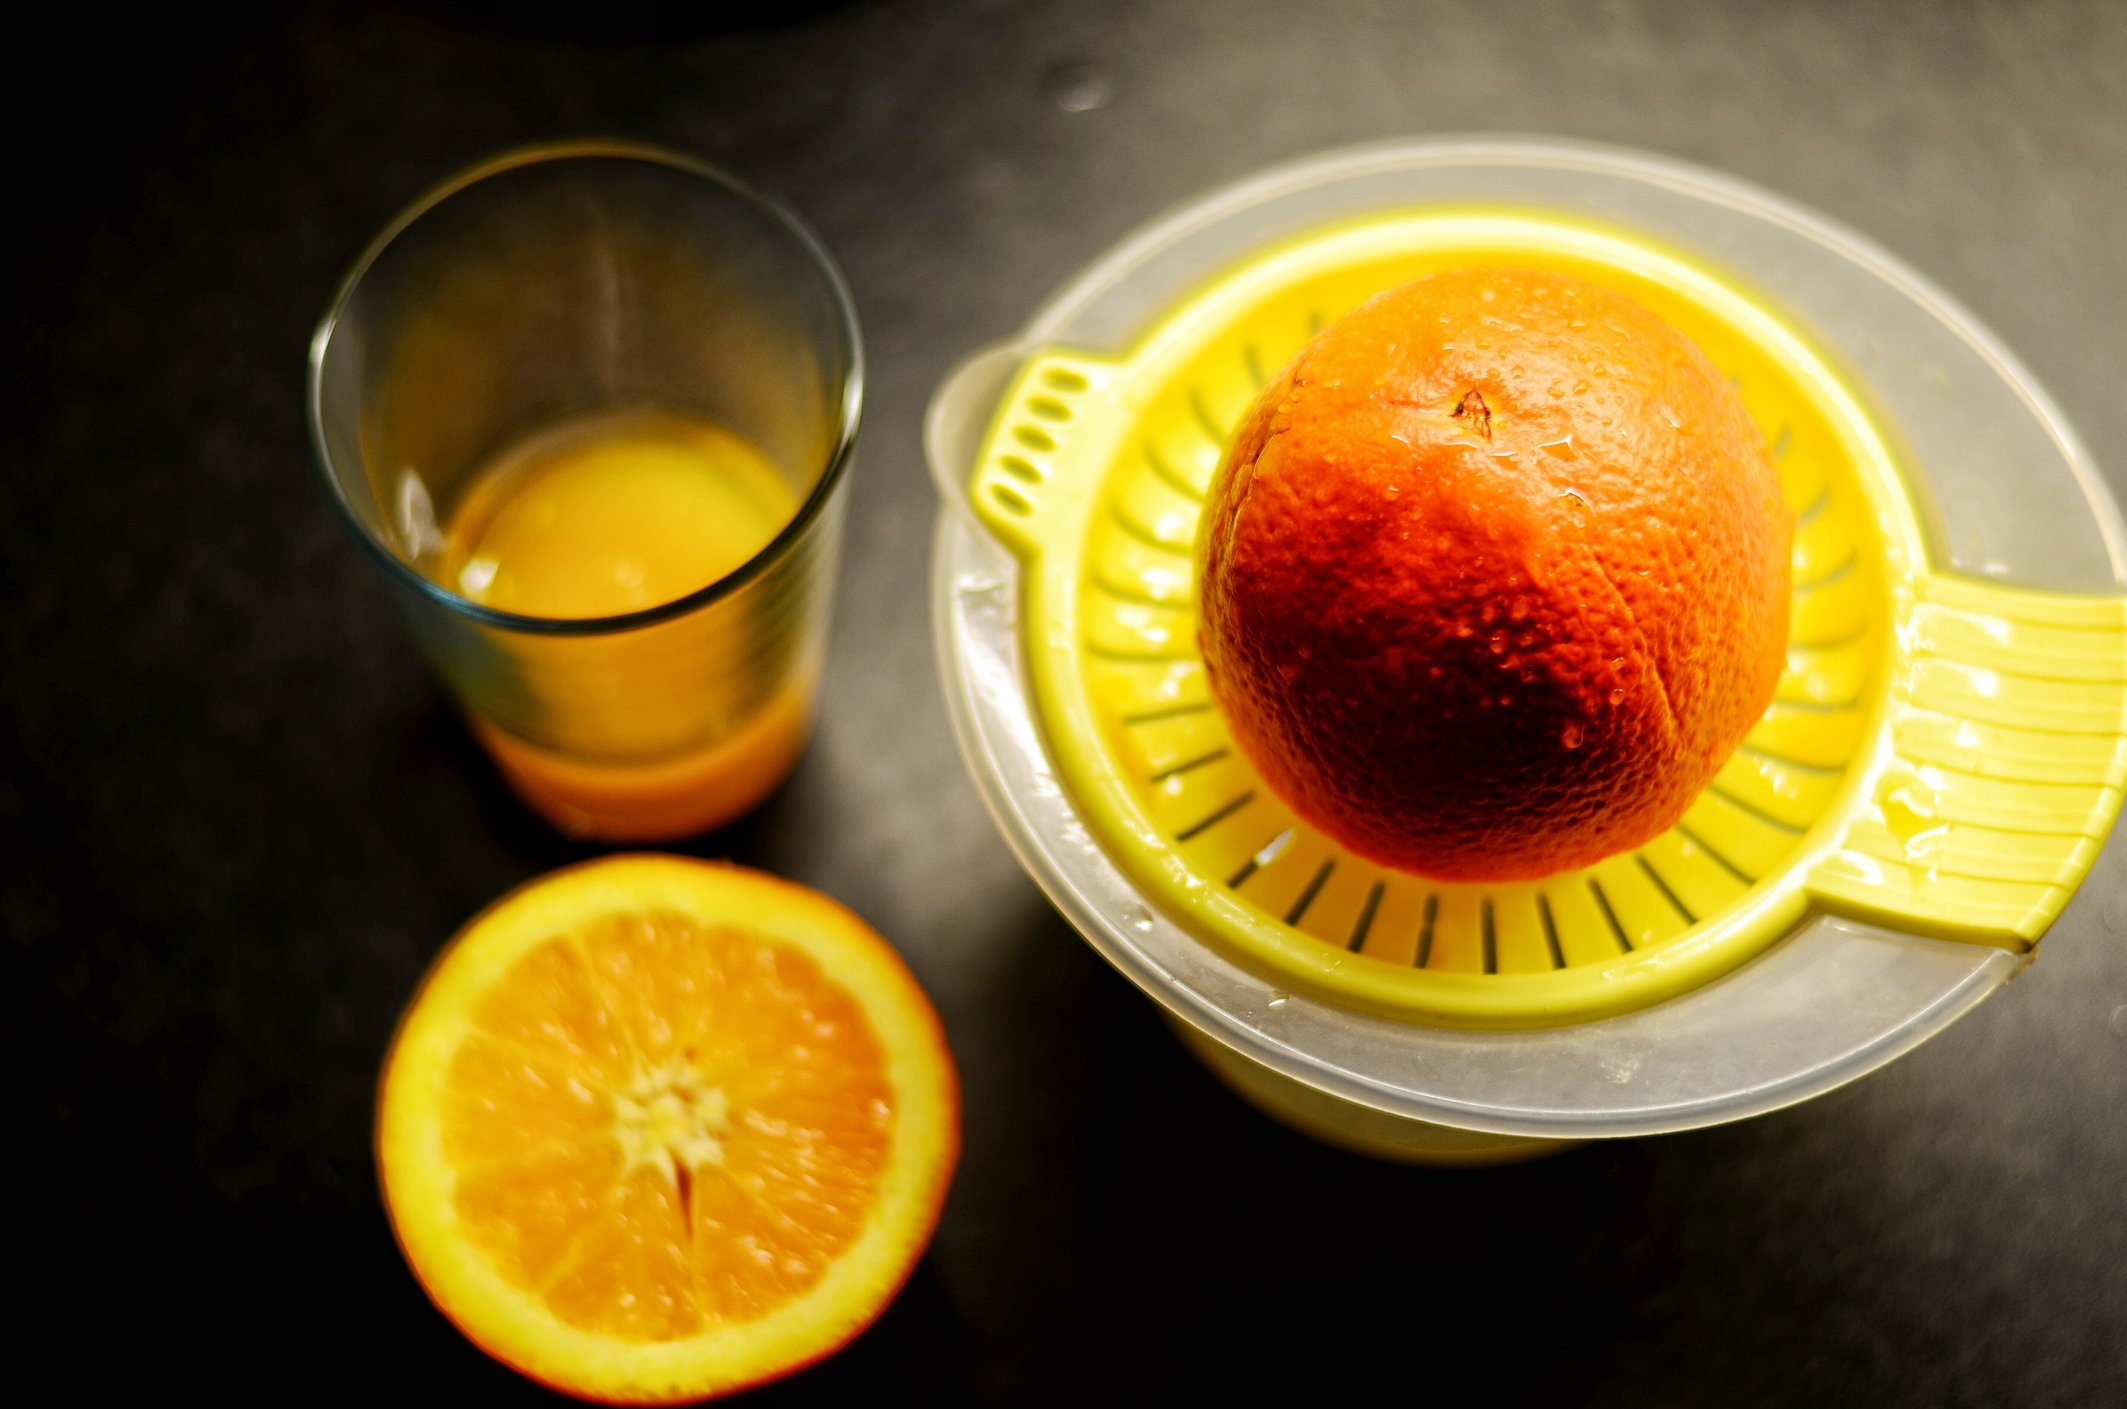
column 662, row 801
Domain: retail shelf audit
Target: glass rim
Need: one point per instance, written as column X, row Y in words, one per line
column 776, row 548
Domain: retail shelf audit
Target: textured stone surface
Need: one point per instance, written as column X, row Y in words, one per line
column 245, row 819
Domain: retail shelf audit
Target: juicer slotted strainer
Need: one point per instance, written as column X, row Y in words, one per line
column 1940, row 764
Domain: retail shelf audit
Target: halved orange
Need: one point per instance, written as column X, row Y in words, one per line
column 655, row 1130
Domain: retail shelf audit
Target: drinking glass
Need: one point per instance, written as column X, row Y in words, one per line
column 563, row 282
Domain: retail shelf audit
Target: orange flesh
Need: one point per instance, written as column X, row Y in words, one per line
column 660, row 1127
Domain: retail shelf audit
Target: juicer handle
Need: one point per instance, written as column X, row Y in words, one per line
column 1023, row 430
column 961, row 411
column 2007, row 730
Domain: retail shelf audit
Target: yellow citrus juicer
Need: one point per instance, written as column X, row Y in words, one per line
column 1939, row 767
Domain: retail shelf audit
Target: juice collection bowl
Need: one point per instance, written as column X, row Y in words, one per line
column 1940, row 765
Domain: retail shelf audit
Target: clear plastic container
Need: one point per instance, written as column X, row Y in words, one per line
column 2005, row 491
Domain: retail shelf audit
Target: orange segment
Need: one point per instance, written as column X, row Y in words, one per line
column 549, row 1007
column 656, row 1130
column 632, row 1277
column 502, row 1103
column 529, row 1215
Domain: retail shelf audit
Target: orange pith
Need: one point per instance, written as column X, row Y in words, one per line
column 683, row 1131
column 1494, row 576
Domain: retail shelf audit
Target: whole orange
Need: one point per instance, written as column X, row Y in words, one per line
column 1494, row 576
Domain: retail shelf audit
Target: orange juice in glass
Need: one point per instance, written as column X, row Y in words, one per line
column 591, row 407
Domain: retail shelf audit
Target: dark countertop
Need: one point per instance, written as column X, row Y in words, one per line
column 246, row 819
